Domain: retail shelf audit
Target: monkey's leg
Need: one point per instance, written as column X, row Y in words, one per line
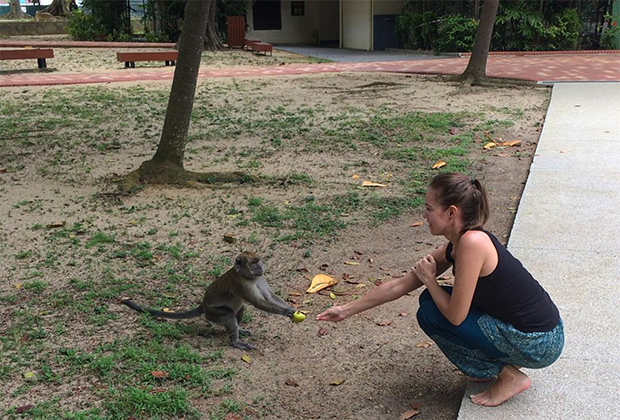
column 239, row 317
column 224, row 316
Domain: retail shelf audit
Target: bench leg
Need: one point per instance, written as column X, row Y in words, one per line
column 126, row 64
column 133, row 64
column 172, row 63
column 41, row 62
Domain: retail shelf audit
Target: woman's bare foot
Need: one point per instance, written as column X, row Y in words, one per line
column 472, row 379
column 510, row 382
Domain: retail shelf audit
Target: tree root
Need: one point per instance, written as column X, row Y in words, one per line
column 470, row 80
column 170, row 174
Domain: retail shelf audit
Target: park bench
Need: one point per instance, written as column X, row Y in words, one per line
column 247, row 43
column 262, row 47
column 130, row 58
column 28, row 53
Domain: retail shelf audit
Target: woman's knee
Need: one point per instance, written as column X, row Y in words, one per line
column 428, row 315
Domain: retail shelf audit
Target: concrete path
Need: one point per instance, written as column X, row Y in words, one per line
column 358, row 56
column 567, row 233
column 570, row 67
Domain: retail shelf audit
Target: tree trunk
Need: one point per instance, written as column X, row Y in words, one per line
column 58, row 8
column 212, row 40
column 475, row 73
column 16, row 12
column 168, row 160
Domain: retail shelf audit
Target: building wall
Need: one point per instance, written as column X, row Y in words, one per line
column 357, row 24
column 388, row 7
column 295, row 29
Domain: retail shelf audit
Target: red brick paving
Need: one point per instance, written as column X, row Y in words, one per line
column 563, row 68
column 81, row 44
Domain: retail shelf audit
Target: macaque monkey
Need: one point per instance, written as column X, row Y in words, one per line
column 224, row 299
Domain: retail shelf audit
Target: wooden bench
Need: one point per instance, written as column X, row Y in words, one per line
column 262, row 47
column 247, row 43
column 130, row 58
column 39, row 53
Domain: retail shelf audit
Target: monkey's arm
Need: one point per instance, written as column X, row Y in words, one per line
column 263, row 286
column 265, row 300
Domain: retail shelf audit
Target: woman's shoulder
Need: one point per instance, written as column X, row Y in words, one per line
column 475, row 239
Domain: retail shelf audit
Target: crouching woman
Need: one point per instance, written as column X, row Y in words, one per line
column 496, row 318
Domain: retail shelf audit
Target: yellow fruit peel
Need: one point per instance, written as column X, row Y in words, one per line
column 320, row 282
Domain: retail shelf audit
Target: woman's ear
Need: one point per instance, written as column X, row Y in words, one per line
column 452, row 211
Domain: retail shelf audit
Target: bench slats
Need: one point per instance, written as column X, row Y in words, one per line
column 26, row 54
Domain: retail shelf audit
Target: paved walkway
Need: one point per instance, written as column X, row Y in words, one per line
column 567, row 233
column 539, row 68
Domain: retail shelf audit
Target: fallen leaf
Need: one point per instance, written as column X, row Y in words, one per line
column 230, row 238
column 409, row 414
column 23, row 408
column 19, row 285
column 337, row 382
column 294, row 294
column 372, row 184
column 246, row 358
column 29, row 374
column 503, row 155
column 417, row 405
column 302, row 270
column 168, row 310
column 320, row 282
column 355, row 176
column 24, row 338
column 158, row 390
column 351, row 263
column 56, row 225
column 168, row 295
column 439, row 164
column 424, row 344
column 2, row 170
column 453, row 131
column 360, row 285
column 403, row 314
column 290, row 382
column 232, row 416
column 384, row 323
column 490, row 145
column 510, row 143
column 322, row 332
column 416, row 224
column 159, row 374
column 332, row 295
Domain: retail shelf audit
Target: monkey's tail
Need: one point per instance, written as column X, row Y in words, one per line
column 161, row 314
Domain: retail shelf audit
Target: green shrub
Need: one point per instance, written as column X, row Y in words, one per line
column 609, row 37
column 563, row 33
column 82, row 27
column 417, row 30
column 456, row 33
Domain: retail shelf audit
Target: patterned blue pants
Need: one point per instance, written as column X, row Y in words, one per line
column 482, row 345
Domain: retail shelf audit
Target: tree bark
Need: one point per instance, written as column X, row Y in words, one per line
column 58, row 8
column 16, row 12
column 475, row 73
column 212, row 40
column 171, row 150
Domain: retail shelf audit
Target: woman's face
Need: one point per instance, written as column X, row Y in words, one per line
column 435, row 214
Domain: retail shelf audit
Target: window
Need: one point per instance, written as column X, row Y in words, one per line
column 267, row 15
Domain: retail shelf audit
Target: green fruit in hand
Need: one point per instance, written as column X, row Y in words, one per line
column 298, row 317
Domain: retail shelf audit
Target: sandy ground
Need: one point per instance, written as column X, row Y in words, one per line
column 68, row 178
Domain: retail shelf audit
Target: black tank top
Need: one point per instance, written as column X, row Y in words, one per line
column 511, row 294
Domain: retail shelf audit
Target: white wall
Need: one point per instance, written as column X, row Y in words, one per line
column 357, row 24
column 388, row 7
column 295, row 29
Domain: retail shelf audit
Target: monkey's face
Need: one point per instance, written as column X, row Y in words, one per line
column 249, row 265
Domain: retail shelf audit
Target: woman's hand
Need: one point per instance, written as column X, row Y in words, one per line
column 426, row 270
column 333, row 314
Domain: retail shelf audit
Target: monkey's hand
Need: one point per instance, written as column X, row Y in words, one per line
column 333, row 314
column 288, row 312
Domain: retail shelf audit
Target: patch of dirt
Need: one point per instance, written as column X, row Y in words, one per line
column 379, row 369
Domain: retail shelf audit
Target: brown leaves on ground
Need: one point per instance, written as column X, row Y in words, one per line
column 159, row 374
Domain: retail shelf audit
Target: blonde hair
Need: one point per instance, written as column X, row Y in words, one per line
column 464, row 192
